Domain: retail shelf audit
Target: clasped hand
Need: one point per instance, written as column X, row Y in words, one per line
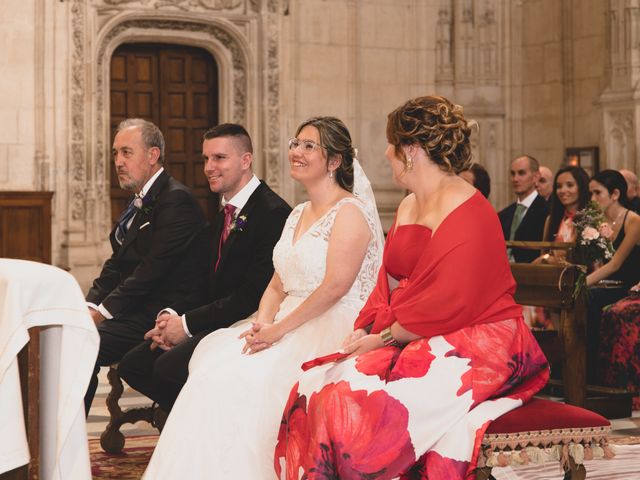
column 167, row 333
column 260, row 337
column 359, row 342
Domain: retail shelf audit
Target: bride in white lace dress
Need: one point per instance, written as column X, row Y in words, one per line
column 225, row 421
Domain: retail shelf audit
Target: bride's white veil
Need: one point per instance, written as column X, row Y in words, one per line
column 363, row 191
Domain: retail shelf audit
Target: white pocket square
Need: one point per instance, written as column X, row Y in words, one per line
column 144, row 225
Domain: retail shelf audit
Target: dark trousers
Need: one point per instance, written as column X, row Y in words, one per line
column 159, row 374
column 117, row 337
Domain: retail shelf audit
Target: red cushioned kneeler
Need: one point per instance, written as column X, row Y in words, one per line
column 541, row 414
column 545, row 430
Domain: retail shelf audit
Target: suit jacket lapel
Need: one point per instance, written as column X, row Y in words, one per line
column 509, row 220
column 218, row 223
column 141, row 217
column 132, row 233
column 246, row 211
column 529, row 214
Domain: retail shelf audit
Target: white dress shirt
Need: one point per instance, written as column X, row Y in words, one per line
column 527, row 201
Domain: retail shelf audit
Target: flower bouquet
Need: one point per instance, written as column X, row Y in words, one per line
column 593, row 241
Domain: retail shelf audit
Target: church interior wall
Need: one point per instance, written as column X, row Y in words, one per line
column 531, row 72
column 563, row 74
column 17, row 146
column 358, row 61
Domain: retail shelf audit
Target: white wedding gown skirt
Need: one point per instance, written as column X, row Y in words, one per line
column 233, row 403
column 225, row 422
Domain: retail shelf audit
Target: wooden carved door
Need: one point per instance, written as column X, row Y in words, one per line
column 176, row 88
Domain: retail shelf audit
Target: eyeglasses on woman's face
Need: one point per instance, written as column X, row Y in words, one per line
column 304, row 146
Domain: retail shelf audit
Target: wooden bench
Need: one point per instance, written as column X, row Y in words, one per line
column 552, row 286
column 543, row 428
column 112, row 440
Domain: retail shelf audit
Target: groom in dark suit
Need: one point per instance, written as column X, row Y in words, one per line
column 244, row 234
column 159, row 248
column 525, row 218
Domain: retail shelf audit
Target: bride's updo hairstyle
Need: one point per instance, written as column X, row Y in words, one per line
column 435, row 124
column 335, row 138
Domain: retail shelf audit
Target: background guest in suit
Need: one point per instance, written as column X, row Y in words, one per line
column 545, row 184
column 524, row 219
column 478, row 176
column 632, row 189
column 241, row 266
column 158, row 248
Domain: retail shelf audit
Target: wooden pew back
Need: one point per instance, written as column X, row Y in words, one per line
column 552, row 286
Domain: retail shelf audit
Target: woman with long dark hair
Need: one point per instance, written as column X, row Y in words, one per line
column 609, row 190
column 570, row 194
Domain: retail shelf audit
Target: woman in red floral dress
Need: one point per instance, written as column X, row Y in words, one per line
column 619, row 354
column 440, row 348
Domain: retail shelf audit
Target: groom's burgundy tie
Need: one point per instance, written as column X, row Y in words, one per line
column 229, row 210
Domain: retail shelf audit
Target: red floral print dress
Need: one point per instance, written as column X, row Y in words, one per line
column 420, row 411
column 619, row 354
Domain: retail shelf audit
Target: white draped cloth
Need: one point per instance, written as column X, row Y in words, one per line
column 34, row 294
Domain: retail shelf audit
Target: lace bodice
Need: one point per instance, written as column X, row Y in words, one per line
column 302, row 266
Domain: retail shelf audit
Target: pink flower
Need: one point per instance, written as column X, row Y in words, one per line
column 605, row 231
column 590, row 233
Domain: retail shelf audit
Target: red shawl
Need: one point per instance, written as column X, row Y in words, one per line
column 462, row 278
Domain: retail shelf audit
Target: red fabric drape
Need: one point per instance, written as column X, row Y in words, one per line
column 462, row 278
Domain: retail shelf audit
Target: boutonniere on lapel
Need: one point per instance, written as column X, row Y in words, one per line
column 238, row 224
column 143, row 204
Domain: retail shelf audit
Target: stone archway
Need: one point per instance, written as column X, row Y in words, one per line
column 246, row 49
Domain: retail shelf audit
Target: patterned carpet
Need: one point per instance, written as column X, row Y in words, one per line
column 128, row 465
column 138, row 449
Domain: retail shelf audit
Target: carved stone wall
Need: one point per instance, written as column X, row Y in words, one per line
column 470, row 62
column 621, row 98
column 538, row 75
column 243, row 37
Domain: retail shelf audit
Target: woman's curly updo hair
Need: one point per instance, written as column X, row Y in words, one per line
column 436, row 125
column 335, row 138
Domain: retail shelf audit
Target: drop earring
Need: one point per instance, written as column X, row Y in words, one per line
column 409, row 163
column 330, row 173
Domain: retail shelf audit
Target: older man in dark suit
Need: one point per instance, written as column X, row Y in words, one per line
column 243, row 236
column 524, row 219
column 159, row 248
